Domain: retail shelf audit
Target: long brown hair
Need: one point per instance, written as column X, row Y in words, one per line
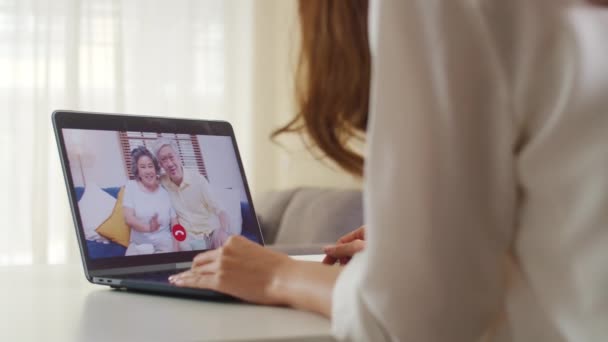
column 333, row 79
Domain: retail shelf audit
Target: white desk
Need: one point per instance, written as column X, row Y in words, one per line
column 56, row 303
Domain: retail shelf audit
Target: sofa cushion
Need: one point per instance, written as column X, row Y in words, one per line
column 115, row 228
column 270, row 209
column 309, row 215
column 95, row 207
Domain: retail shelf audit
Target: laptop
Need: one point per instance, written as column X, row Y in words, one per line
column 138, row 218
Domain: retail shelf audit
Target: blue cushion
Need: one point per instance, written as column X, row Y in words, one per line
column 249, row 223
column 105, row 250
column 111, row 191
column 97, row 249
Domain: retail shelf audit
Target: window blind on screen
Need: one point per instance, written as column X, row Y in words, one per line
column 189, row 149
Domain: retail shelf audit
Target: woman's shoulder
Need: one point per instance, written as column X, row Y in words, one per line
column 131, row 185
column 161, row 190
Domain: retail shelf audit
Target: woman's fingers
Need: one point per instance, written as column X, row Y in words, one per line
column 344, row 250
column 208, row 268
column 191, row 279
column 173, row 279
column 206, row 257
column 329, row 260
column 153, row 223
column 357, row 234
column 203, row 264
column 344, row 260
column 196, row 272
column 345, row 247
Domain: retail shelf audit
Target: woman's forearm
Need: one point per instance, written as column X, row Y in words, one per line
column 133, row 222
column 306, row 285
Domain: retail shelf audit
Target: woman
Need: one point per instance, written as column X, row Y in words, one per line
column 147, row 207
column 486, row 173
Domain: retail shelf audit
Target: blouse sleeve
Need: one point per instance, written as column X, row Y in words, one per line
column 562, row 243
column 128, row 200
column 439, row 189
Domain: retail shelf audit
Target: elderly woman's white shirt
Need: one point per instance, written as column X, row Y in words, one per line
column 488, row 137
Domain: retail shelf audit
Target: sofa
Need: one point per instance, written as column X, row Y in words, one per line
column 304, row 216
column 308, row 215
column 100, row 247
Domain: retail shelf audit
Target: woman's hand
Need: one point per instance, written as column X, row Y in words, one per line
column 345, row 248
column 246, row 270
column 141, row 226
column 153, row 224
column 240, row 268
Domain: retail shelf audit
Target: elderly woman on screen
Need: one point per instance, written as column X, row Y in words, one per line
column 147, row 207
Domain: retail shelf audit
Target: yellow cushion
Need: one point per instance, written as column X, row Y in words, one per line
column 114, row 228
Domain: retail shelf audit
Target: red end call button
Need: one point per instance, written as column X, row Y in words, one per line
column 179, row 233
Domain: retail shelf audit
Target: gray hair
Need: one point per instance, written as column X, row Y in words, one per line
column 162, row 142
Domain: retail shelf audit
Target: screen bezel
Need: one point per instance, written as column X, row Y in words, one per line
column 123, row 122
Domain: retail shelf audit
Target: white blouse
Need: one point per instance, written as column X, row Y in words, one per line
column 488, row 138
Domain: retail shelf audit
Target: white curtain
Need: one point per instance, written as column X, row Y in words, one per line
column 211, row 59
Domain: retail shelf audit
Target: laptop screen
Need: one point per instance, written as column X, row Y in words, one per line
column 151, row 192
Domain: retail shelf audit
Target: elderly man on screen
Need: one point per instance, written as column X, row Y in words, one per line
column 206, row 224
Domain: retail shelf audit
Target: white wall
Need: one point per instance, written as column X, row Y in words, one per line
column 221, row 163
column 99, row 155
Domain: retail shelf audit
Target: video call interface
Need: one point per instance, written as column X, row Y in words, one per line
column 141, row 193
